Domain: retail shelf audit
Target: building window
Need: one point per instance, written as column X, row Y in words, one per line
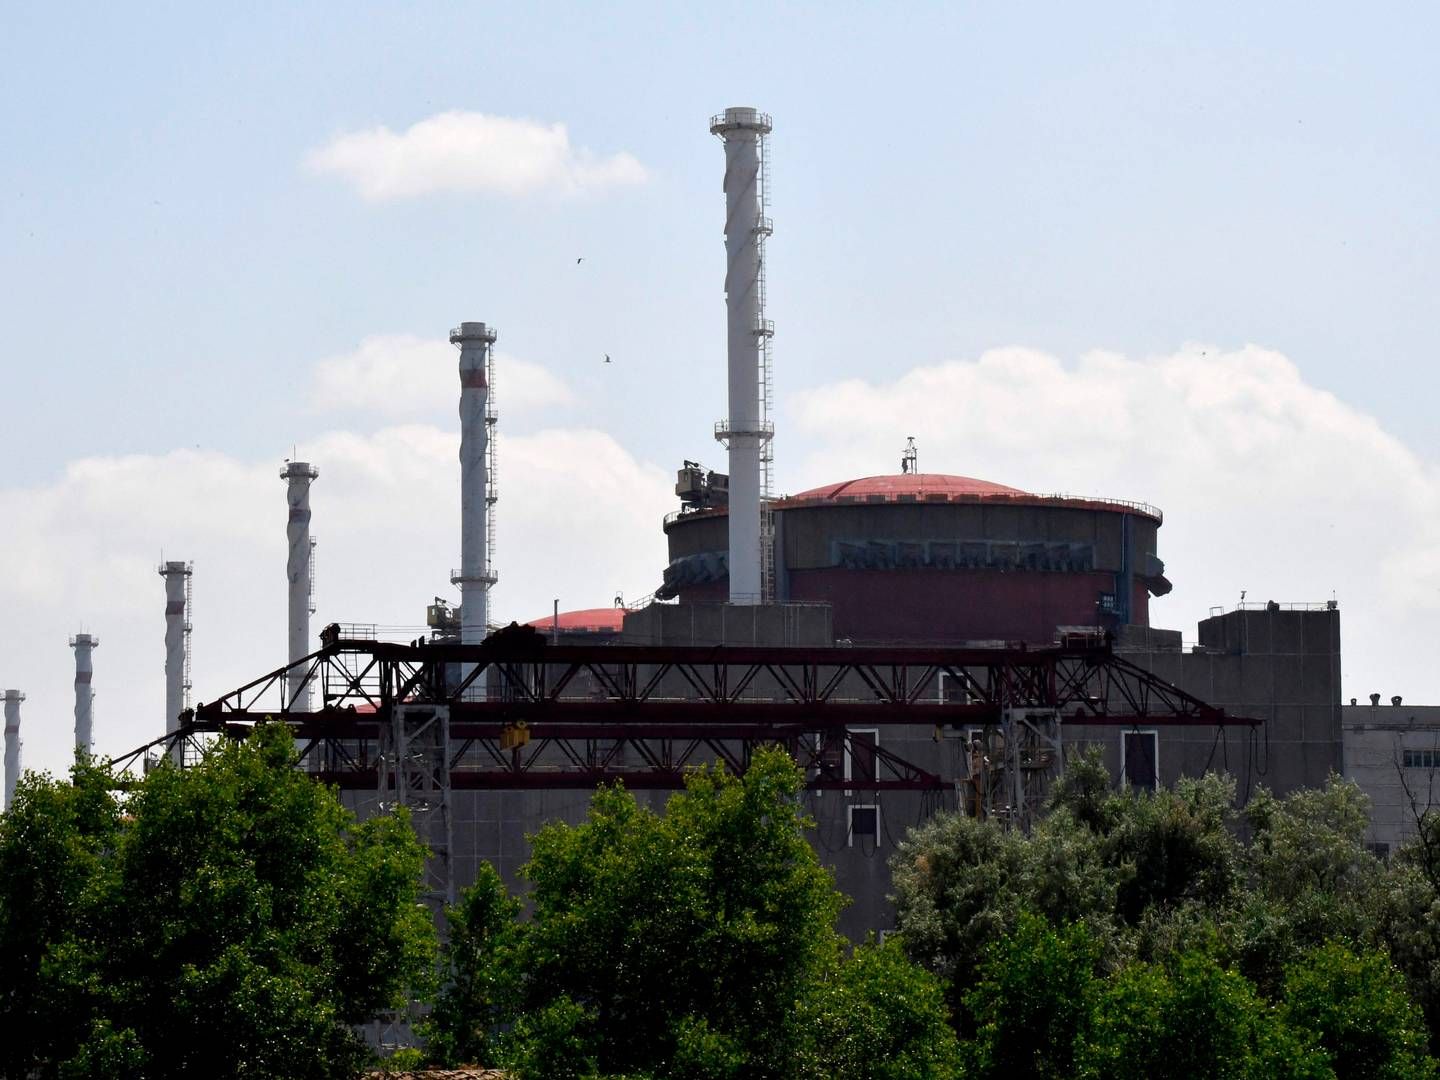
column 1422, row 759
column 1140, row 759
column 860, row 764
column 863, row 825
column 953, row 691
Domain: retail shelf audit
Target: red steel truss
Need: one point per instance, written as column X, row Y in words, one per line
column 574, row 716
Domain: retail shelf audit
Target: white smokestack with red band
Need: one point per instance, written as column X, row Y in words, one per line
column 477, row 496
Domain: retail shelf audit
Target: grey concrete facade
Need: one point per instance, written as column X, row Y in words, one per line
column 1279, row 666
column 1393, row 753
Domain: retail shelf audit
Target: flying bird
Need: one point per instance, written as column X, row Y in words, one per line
column 579, row 260
column 607, row 358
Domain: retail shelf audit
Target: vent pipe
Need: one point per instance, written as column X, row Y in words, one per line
column 13, row 698
column 747, row 430
column 298, row 476
column 84, row 646
column 477, row 493
column 177, row 577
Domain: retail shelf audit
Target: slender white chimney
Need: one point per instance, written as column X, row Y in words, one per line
column 747, row 431
column 84, row 646
column 477, row 495
column 298, row 476
column 13, row 698
column 177, row 641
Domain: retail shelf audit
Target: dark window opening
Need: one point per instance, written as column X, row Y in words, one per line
column 864, row 824
column 1140, row 756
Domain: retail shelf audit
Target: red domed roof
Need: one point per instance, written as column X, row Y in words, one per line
column 916, row 484
column 594, row 620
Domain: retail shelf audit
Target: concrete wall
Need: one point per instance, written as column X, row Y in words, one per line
column 730, row 624
column 1401, row 786
column 1282, row 667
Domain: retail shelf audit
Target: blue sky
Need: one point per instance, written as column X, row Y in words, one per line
column 949, row 179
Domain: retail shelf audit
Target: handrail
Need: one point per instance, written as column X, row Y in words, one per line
column 786, row 502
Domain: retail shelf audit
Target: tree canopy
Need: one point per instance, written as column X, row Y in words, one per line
column 226, row 920
column 696, row 943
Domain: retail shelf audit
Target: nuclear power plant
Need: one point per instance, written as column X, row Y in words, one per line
column 917, row 640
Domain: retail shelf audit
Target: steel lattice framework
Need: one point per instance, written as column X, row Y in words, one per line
column 575, row 716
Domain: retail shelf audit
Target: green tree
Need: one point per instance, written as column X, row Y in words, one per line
column 962, row 884
column 879, row 1016
column 1174, row 846
column 1409, row 918
column 1356, row 1007
column 718, row 910
column 1031, row 1004
column 1310, row 879
column 1192, row 1018
column 699, row 943
column 237, row 922
column 54, row 842
column 478, row 974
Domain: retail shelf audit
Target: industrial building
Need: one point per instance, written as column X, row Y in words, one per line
column 1392, row 750
column 917, row 640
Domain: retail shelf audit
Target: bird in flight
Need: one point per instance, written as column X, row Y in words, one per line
column 607, row 358
column 579, row 260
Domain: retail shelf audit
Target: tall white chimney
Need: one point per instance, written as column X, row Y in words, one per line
column 84, row 646
column 477, row 494
column 298, row 476
column 177, row 577
column 13, row 698
column 747, row 431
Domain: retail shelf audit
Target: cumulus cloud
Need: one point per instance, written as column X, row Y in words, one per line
column 403, row 375
column 470, row 151
column 1268, row 484
column 86, row 548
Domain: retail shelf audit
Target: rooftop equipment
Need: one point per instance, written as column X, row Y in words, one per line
column 84, row 646
column 299, row 572
column 700, row 489
column 909, row 457
column 748, row 431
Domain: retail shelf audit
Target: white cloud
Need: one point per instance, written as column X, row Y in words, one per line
column 578, row 519
column 401, row 375
column 1268, row 484
column 470, row 151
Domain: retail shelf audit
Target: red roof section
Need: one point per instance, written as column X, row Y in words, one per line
column 600, row 619
column 917, row 484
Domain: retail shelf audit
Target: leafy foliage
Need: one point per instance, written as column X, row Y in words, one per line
column 478, row 973
column 1190, row 1018
column 1031, row 1002
column 235, row 922
column 698, row 943
column 879, row 1017
column 1358, row 1010
column 1177, row 895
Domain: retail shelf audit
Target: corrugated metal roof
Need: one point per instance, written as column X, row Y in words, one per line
column 917, row 484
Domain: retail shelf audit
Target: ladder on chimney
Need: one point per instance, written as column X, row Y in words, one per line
column 765, row 334
column 492, row 480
